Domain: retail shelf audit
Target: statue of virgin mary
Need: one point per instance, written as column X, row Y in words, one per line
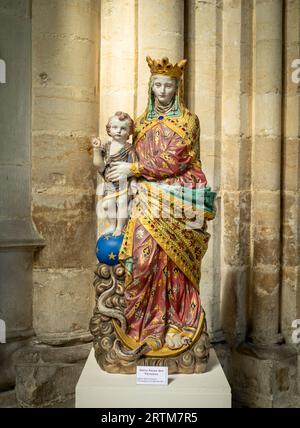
column 166, row 235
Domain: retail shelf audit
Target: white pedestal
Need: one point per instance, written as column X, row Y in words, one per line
column 98, row 389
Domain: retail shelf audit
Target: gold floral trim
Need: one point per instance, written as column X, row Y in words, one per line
column 186, row 126
column 160, row 196
column 116, row 194
column 164, row 351
column 191, row 271
column 135, row 169
column 125, row 252
column 186, row 247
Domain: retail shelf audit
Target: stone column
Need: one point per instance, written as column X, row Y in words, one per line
column 18, row 237
column 117, row 68
column 65, row 110
column 261, row 369
column 118, row 53
column 203, row 36
column 160, row 32
column 236, row 166
column 290, row 306
column 65, row 115
column 266, row 168
column 124, row 73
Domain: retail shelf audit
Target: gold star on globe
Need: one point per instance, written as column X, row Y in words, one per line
column 112, row 256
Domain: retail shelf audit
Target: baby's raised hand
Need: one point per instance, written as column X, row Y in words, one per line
column 96, row 143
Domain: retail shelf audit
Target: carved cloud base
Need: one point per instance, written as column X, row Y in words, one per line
column 109, row 310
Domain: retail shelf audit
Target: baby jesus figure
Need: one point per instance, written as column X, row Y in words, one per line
column 117, row 149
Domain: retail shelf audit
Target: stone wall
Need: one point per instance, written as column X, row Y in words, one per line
column 18, row 236
column 65, row 114
column 63, row 77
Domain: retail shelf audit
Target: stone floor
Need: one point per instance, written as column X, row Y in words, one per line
column 8, row 401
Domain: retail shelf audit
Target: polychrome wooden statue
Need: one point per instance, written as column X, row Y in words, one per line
column 149, row 308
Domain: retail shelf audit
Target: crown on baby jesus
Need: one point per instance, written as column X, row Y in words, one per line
column 163, row 66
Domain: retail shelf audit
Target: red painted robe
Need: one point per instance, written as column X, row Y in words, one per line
column 161, row 255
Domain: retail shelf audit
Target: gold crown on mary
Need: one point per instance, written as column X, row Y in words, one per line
column 163, row 66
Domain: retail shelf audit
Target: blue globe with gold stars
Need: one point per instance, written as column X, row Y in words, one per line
column 108, row 247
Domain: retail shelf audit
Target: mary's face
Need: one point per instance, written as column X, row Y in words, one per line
column 164, row 88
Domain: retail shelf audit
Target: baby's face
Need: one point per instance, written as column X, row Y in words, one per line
column 119, row 129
